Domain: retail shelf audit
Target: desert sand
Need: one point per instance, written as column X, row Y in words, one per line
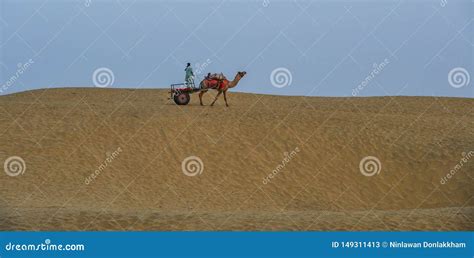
column 66, row 135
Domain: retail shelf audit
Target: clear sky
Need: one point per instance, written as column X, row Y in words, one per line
column 316, row 48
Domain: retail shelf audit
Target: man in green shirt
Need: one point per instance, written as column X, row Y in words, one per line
column 189, row 79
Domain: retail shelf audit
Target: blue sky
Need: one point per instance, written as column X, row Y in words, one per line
column 314, row 48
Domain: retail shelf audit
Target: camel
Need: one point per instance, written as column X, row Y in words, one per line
column 220, row 85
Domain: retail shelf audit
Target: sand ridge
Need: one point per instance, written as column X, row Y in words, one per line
column 65, row 135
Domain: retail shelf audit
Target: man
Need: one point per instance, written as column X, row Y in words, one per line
column 189, row 79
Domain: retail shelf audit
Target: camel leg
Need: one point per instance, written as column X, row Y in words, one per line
column 217, row 96
column 225, row 98
column 200, row 97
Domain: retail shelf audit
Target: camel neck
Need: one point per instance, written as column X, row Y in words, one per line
column 235, row 81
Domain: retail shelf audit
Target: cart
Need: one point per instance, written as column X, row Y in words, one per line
column 181, row 92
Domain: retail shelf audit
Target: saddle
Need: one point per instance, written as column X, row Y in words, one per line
column 216, row 76
column 216, row 81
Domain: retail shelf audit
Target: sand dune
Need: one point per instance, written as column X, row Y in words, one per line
column 134, row 142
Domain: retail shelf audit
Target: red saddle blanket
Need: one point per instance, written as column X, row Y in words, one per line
column 216, row 84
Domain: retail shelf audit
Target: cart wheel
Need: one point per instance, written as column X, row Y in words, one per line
column 182, row 98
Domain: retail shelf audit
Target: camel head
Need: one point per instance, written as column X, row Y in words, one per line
column 241, row 74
